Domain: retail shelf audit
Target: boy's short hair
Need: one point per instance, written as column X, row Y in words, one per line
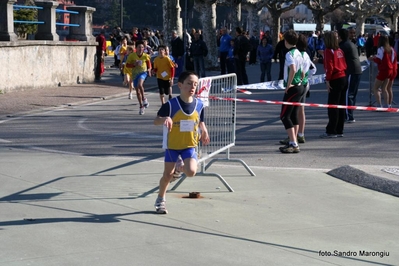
column 162, row 47
column 291, row 37
column 184, row 75
column 139, row 42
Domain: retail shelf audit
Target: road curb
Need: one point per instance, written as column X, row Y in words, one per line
column 381, row 182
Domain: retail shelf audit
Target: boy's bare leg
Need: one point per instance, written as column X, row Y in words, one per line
column 169, row 169
column 140, row 92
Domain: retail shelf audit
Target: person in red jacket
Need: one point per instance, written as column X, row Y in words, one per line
column 335, row 66
column 386, row 59
column 100, row 53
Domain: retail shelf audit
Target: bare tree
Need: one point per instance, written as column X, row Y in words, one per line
column 391, row 11
column 207, row 9
column 253, row 10
column 171, row 19
column 320, row 8
column 361, row 9
column 276, row 9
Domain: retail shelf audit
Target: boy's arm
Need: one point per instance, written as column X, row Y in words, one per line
column 166, row 121
column 204, row 134
column 290, row 77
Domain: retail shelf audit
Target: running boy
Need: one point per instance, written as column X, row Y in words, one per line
column 182, row 116
column 140, row 65
column 127, row 73
column 165, row 71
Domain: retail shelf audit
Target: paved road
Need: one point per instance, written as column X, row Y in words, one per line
column 79, row 181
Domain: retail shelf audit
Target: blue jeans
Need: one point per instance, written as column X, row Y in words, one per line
column 199, row 65
column 265, row 69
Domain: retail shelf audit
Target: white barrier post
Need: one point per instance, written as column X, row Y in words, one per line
column 220, row 119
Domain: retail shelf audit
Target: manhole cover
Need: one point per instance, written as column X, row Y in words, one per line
column 394, row 171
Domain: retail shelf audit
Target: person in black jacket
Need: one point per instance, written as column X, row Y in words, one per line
column 241, row 50
column 353, row 71
column 178, row 52
column 280, row 51
column 198, row 50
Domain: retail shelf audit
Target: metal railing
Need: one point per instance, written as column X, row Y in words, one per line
column 220, row 119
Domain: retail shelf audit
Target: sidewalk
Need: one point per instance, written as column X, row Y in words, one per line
column 80, row 210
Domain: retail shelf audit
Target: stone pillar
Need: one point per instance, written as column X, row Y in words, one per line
column 85, row 20
column 7, row 21
column 46, row 31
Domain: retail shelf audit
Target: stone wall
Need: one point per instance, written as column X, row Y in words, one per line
column 41, row 64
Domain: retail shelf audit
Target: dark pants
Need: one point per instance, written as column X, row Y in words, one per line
column 199, row 65
column 97, row 72
column 336, row 117
column 223, row 63
column 252, row 56
column 180, row 65
column 230, row 66
column 265, row 69
column 289, row 113
column 353, row 86
column 241, row 72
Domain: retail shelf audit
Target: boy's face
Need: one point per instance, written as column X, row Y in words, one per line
column 139, row 48
column 189, row 86
column 161, row 52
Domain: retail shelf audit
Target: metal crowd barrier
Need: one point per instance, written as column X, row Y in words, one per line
column 220, row 119
column 18, row 7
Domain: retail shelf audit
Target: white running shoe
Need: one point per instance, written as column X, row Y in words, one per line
column 130, row 96
column 160, row 207
column 141, row 111
column 145, row 103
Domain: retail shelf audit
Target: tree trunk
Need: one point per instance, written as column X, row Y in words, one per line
column 207, row 9
column 275, row 34
column 319, row 19
column 171, row 19
column 360, row 25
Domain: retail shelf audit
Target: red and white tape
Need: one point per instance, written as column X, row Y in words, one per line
column 363, row 108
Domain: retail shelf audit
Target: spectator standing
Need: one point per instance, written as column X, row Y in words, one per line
column 198, row 51
column 280, row 53
column 335, row 67
column 353, row 71
column 369, row 45
column 100, row 53
column 254, row 40
column 265, row 54
column 361, row 41
column 230, row 59
column 241, row 50
column 396, row 44
column 293, row 91
column 224, row 48
column 375, row 42
column 177, row 45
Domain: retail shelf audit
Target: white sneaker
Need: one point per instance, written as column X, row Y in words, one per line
column 160, row 207
column 141, row 111
column 145, row 103
column 130, row 96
